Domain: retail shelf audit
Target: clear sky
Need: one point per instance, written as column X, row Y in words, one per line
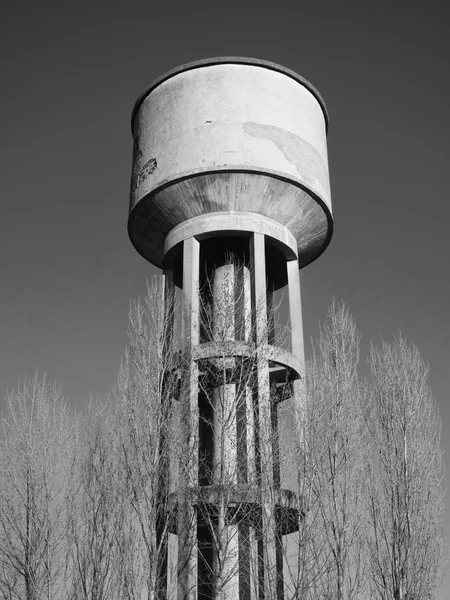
column 70, row 73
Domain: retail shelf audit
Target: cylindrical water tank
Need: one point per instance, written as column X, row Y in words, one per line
column 230, row 134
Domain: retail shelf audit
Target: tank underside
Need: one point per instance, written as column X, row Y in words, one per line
column 286, row 202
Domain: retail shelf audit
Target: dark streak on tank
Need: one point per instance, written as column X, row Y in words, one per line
column 149, row 167
column 137, row 155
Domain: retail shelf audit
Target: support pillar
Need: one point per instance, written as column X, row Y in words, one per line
column 187, row 515
column 295, row 309
column 297, row 347
column 268, row 570
column 162, row 516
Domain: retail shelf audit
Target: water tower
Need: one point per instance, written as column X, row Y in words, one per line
column 230, row 160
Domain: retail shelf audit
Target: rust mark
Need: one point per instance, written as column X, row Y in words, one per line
column 305, row 158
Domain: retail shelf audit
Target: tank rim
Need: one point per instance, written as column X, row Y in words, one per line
column 220, row 60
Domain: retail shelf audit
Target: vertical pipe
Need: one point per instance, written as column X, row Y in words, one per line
column 187, row 516
column 267, row 533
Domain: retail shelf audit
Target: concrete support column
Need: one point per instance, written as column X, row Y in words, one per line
column 224, row 398
column 253, row 565
column 188, row 476
column 295, row 313
column 295, row 310
column 225, row 413
column 161, row 340
column 168, row 569
column 276, row 484
column 270, row 318
column 225, row 439
column 165, row 320
column 268, row 569
column 169, row 309
column 247, row 475
column 226, row 565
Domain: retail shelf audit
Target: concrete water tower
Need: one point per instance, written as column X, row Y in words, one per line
column 230, row 159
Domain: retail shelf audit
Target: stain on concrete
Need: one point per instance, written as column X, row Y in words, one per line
column 308, row 162
column 137, row 156
column 149, row 167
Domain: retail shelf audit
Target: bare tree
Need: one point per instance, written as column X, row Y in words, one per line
column 88, row 506
column 95, row 507
column 405, row 492
column 146, row 391
column 36, row 450
column 331, row 451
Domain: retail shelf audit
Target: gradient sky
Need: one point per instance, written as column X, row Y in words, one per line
column 70, row 73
